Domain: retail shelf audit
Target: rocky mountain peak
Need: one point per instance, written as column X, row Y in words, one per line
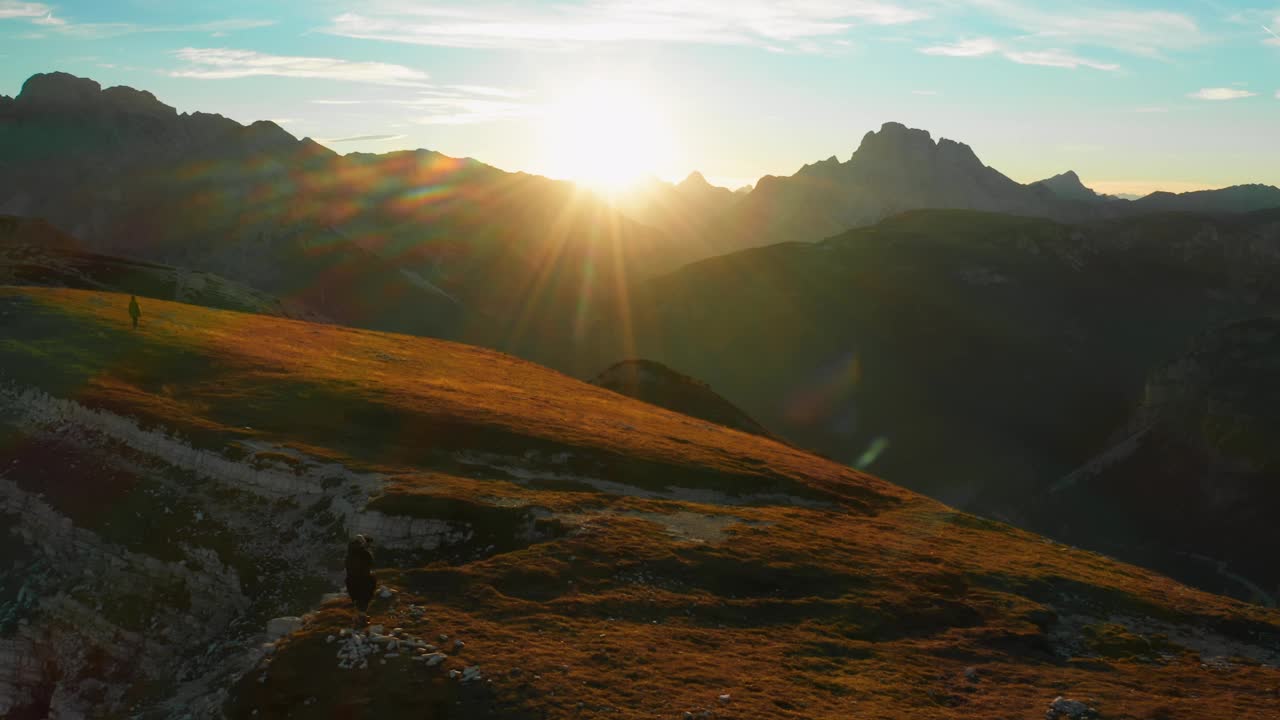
column 1067, row 185
column 59, row 91
column 695, row 179
column 894, row 138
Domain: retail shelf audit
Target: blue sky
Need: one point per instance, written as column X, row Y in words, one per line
column 1134, row 97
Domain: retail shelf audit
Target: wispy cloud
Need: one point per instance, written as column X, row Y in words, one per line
column 38, row 13
column 975, row 47
column 224, row 63
column 1275, row 37
column 450, row 109
column 218, row 28
column 451, row 104
column 1220, row 93
column 1058, row 58
column 983, row 46
column 1150, row 33
column 44, row 15
column 361, row 138
column 490, row 24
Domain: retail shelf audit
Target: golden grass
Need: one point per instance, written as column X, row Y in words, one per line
column 871, row 605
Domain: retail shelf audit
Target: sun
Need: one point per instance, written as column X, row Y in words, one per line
column 607, row 137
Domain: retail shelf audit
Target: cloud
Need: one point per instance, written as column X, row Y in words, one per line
column 1058, row 58
column 338, row 102
column 1149, row 33
column 451, row 109
column 1053, row 57
column 976, row 47
column 38, row 13
column 1275, row 37
column 362, row 138
column 42, row 14
column 224, row 63
column 1220, row 93
column 569, row 25
column 98, row 31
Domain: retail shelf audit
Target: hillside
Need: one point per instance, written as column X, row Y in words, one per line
column 659, row 385
column 410, row 241
column 596, row 556
column 1192, row 483
column 975, row 357
column 32, row 252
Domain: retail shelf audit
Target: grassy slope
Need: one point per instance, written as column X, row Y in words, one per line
column 870, row 606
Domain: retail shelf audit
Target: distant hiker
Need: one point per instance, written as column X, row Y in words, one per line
column 360, row 582
column 135, row 312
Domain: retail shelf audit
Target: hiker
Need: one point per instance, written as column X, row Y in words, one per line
column 360, row 582
column 135, row 312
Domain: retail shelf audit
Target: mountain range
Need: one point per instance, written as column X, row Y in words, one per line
column 918, row 313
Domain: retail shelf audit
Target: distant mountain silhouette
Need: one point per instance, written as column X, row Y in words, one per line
column 1067, row 186
column 899, row 168
column 1234, row 199
column 659, row 385
column 410, row 241
column 686, row 209
column 893, row 170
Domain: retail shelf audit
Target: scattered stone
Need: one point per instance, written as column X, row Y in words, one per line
column 443, row 637
column 435, row 659
column 385, row 593
column 281, row 626
column 724, row 698
column 453, row 674
column 471, row 673
column 971, row 674
column 458, row 644
column 375, row 630
column 330, row 639
column 1071, row 709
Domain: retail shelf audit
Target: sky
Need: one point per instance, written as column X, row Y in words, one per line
column 1134, row 96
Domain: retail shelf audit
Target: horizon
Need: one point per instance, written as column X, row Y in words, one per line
column 1172, row 96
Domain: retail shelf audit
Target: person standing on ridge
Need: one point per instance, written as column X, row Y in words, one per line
column 135, row 312
column 360, row 581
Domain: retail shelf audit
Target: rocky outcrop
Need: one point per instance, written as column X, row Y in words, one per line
column 102, row 618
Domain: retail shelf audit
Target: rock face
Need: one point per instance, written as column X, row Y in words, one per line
column 1192, row 483
column 171, row 593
